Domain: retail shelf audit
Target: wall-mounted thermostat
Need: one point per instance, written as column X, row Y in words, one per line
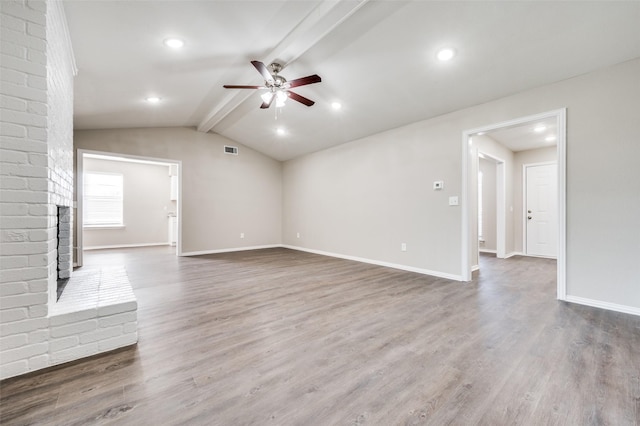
column 438, row 184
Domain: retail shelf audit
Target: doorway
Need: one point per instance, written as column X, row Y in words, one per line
column 491, row 205
column 540, row 204
column 469, row 193
column 126, row 201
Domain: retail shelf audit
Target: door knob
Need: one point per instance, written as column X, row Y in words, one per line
column 528, row 211
column 529, row 217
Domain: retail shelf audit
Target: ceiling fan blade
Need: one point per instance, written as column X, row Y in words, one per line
column 267, row 104
column 301, row 99
column 235, row 86
column 310, row 79
column 262, row 69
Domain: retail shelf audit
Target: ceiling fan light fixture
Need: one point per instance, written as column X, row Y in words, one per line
column 174, row 43
column 281, row 98
column 266, row 96
column 446, row 54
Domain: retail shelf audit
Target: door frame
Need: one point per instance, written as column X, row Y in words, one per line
column 80, row 189
column 467, row 181
column 524, row 204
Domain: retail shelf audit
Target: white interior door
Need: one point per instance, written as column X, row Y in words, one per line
column 541, row 210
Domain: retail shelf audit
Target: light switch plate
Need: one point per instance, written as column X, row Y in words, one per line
column 453, row 201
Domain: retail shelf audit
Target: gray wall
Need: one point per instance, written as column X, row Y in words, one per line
column 222, row 195
column 365, row 197
column 146, row 204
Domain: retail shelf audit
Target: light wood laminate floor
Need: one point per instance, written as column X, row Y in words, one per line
column 279, row 337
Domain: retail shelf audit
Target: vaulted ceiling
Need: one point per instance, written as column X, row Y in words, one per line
column 377, row 58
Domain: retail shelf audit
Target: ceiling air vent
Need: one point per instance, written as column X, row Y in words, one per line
column 233, row 150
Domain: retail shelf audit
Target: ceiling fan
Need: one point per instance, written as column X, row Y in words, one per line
column 278, row 87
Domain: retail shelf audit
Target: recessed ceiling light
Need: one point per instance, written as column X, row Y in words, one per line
column 540, row 128
column 550, row 138
column 174, row 43
column 153, row 99
column 336, row 105
column 281, row 131
column 446, row 54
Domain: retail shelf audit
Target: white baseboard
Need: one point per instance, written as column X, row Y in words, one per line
column 475, row 268
column 488, row 251
column 229, row 250
column 124, row 246
column 603, row 305
column 514, row 253
column 379, row 263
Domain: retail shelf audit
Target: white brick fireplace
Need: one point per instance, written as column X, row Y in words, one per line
column 36, row 171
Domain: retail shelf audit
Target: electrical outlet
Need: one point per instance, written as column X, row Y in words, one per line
column 403, row 247
column 242, row 235
column 453, row 201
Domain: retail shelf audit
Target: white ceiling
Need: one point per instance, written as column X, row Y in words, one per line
column 376, row 57
column 527, row 136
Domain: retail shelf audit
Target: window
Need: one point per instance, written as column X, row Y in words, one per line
column 102, row 199
column 480, row 237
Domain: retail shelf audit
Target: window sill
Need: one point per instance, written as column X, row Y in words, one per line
column 101, row 227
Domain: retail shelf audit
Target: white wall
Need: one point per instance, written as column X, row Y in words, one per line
column 489, row 200
column 222, row 195
column 146, row 203
column 365, row 197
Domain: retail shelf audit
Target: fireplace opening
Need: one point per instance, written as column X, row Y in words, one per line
column 64, row 263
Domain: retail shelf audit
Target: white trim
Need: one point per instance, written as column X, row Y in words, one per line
column 466, row 206
column 603, row 305
column 129, row 158
column 475, row 268
column 230, row 250
column 488, row 251
column 561, row 117
column 539, row 257
column 561, row 159
column 513, row 253
column 102, row 227
column 379, row 263
column 125, row 246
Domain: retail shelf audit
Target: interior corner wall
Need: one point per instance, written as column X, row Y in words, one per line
column 490, row 146
column 222, row 195
column 146, row 204
column 489, row 205
column 365, row 197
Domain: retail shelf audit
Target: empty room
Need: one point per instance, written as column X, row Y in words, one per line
column 319, row 212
